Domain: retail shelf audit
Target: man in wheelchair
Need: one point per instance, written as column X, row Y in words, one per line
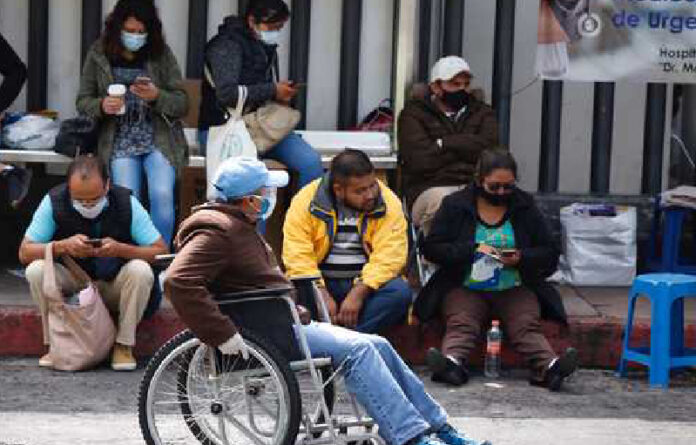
column 220, row 251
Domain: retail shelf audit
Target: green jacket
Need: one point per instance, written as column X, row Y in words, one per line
column 172, row 103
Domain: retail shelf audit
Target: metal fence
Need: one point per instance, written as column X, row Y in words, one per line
column 568, row 137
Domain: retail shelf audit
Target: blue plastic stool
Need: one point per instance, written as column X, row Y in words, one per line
column 666, row 293
column 672, row 228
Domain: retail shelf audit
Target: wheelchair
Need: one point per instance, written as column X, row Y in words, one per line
column 416, row 261
column 280, row 395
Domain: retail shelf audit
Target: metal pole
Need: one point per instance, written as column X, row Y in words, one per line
column 405, row 12
column 502, row 65
column 453, row 38
column 552, row 102
column 91, row 24
column 38, row 55
column 197, row 38
column 299, row 51
column 242, row 6
column 350, row 63
column 654, row 138
column 602, row 132
column 424, row 38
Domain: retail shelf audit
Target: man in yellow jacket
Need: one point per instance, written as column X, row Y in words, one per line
column 348, row 230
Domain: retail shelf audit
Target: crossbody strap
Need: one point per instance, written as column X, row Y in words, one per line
column 77, row 272
column 241, row 95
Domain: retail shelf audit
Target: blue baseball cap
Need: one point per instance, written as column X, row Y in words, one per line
column 241, row 176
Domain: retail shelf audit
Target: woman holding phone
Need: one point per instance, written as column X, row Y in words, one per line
column 243, row 53
column 132, row 84
column 495, row 253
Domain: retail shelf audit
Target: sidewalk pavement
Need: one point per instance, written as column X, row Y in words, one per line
column 596, row 318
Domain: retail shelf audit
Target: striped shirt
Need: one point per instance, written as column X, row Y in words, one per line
column 347, row 256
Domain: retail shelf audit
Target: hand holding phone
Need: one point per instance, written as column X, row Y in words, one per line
column 94, row 242
column 145, row 88
column 489, row 250
column 510, row 257
column 142, row 80
column 507, row 253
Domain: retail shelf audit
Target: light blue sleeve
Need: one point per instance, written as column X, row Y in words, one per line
column 43, row 226
column 143, row 230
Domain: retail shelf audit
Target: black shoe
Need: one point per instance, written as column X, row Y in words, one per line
column 18, row 182
column 445, row 369
column 560, row 368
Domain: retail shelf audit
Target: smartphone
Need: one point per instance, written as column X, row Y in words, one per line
column 95, row 242
column 142, row 80
column 507, row 252
column 299, row 84
column 495, row 255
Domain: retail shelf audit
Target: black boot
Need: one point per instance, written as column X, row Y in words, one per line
column 446, row 369
column 560, row 369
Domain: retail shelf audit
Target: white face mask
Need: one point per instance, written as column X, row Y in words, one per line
column 133, row 41
column 91, row 212
column 269, row 37
column 267, row 201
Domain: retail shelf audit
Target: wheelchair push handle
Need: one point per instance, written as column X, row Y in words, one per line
column 308, row 286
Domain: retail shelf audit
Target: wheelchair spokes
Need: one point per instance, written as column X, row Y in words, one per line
column 194, row 394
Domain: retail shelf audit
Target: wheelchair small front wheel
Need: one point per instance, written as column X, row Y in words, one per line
column 191, row 393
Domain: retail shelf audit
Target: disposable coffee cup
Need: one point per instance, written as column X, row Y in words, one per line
column 118, row 90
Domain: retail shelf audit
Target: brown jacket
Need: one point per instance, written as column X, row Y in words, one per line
column 218, row 251
column 424, row 163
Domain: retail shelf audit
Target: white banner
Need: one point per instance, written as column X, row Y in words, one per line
column 610, row 40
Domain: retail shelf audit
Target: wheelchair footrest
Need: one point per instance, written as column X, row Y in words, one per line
column 302, row 365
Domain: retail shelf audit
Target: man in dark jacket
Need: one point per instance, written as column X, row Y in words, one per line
column 440, row 137
column 110, row 235
column 244, row 54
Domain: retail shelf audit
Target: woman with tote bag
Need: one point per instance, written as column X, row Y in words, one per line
column 243, row 54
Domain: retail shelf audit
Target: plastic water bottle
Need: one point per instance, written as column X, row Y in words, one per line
column 493, row 346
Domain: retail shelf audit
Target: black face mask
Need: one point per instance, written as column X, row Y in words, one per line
column 493, row 198
column 456, row 100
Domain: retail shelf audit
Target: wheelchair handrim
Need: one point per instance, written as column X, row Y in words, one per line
column 257, row 352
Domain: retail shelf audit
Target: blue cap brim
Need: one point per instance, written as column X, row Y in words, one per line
column 277, row 178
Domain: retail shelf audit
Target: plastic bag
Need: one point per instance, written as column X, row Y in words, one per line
column 31, row 132
column 598, row 250
column 682, row 196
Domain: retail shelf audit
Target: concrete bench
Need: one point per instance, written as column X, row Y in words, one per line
column 327, row 143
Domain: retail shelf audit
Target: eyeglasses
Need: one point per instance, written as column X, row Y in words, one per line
column 497, row 186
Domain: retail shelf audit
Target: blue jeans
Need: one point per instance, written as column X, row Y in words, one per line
column 388, row 390
column 386, row 307
column 292, row 151
column 128, row 172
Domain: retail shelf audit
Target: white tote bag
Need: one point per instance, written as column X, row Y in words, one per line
column 598, row 250
column 229, row 140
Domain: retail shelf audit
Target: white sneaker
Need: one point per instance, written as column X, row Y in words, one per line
column 46, row 361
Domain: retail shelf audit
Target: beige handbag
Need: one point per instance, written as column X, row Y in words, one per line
column 80, row 336
column 269, row 124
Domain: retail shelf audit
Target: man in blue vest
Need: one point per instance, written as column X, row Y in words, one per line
column 111, row 236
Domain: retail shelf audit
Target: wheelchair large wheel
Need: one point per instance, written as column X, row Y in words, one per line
column 193, row 394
